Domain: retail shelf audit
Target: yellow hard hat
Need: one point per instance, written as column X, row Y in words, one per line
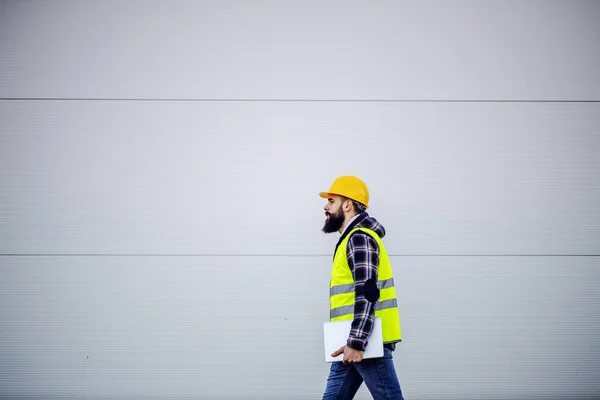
column 350, row 187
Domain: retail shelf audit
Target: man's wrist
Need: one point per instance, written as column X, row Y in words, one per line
column 356, row 344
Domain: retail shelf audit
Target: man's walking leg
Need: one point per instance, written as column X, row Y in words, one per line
column 343, row 382
column 380, row 377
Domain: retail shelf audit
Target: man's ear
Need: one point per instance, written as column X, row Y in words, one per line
column 347, row 205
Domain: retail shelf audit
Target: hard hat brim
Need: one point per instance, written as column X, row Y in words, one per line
column 327, row 195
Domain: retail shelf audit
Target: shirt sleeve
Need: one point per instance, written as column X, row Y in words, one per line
column 363, row 260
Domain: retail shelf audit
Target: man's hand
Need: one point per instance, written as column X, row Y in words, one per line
column 350, row 355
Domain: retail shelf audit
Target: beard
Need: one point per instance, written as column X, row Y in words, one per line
column 334, row 222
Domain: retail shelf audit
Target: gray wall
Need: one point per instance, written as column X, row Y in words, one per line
column 160, row 164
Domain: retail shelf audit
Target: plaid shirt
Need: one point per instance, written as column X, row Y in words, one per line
column 363, row 259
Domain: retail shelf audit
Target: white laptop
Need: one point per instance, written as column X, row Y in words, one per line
column 336, row 335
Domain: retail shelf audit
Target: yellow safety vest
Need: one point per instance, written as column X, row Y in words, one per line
column 341, row 289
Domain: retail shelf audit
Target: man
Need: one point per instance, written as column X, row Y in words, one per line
column 361, row 288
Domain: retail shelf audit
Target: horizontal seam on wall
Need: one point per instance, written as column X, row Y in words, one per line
column 279, row 255
column 295, row 100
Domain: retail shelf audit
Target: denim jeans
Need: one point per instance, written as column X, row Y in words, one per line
column 378, row 374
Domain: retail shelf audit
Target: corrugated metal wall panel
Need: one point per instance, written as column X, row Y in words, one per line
column 250, row 327
column 172, row 178
column 469, row 50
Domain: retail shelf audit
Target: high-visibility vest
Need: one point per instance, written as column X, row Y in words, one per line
column 341, row 289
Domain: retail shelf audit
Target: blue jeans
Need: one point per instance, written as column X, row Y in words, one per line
column 378, row 374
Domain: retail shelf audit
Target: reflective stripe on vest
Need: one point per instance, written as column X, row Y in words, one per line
column 349, row 288
column 341, row 289
column 338, row 312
